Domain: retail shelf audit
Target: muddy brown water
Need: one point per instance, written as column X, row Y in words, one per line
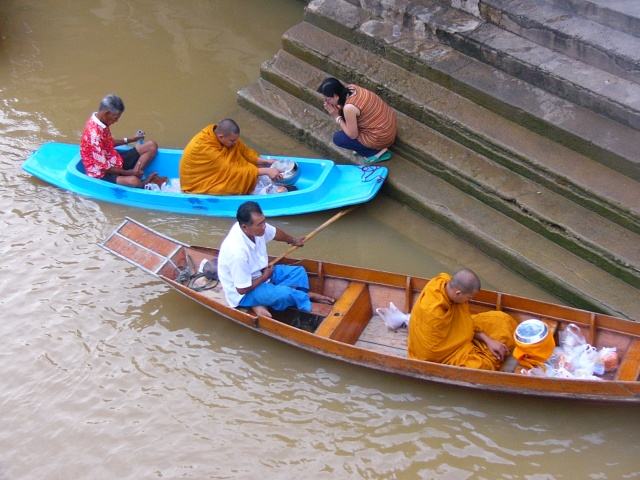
column 107, row 374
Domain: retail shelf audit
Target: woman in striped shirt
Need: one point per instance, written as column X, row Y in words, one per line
column 367, row 124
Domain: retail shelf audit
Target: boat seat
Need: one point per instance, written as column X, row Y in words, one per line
column 344, row 320
column 629, row 368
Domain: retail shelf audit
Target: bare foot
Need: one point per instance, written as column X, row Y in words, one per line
column 159, row 180
column 316, row 297
column 150, row 178
column 381, row 152
column 262, row 311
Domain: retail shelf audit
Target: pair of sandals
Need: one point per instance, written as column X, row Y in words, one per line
column 373, row 159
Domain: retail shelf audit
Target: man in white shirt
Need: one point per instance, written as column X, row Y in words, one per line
column 245, row 274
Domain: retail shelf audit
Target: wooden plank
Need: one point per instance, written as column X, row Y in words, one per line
column 510, row 364
column 135, row 253
column 629, row 368
column 346, row 320
column 148, row 238
column 378, row 338
column 321, row 309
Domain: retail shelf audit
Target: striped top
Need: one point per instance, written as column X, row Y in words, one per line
column 376, row 122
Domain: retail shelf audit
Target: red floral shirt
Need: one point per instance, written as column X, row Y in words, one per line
column 97, row 150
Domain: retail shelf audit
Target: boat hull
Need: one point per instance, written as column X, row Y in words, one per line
column 322, row 185
column 351, row 331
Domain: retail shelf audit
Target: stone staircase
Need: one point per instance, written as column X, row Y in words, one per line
column 517, row 131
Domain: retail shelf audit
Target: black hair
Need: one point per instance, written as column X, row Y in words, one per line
column 332, row 86
column 246, row 211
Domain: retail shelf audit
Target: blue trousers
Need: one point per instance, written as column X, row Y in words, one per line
column 342, row 140
column 278, row 293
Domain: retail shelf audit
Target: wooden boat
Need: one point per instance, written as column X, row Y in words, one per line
column 351, row 330
column 321, row 185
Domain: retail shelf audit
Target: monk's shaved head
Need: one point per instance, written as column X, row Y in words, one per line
column 465, row 280
column 227, row 127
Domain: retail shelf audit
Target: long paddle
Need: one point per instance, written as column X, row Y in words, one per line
column 308, row 236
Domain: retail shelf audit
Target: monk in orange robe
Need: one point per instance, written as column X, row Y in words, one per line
column 217, row 162
column 442, row 329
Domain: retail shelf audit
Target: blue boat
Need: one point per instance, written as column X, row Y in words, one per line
column 321, row 185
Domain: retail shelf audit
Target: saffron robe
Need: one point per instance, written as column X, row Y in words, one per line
column 443, row 332
column 209, row 167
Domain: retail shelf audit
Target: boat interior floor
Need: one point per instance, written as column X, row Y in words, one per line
column 376, row 336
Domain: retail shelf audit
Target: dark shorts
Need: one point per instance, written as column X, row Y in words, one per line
column 130, row 158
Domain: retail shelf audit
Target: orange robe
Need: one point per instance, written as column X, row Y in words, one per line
column 442, row 331
column 209, row 167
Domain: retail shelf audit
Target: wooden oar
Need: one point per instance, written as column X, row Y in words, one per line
column 308, row 236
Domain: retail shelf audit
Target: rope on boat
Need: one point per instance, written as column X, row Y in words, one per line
column 188, row 280
column 369, row 173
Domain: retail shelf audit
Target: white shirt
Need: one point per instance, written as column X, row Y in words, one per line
column 240, row 261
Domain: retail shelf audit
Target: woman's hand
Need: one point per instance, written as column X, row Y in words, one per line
column 332, row 110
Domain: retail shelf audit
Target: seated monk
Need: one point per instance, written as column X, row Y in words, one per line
column 217, row 162
column 442, row 329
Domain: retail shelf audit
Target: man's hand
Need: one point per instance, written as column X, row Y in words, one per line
column 136, row 171
column 297, row 242
column 274, row 174
column 266, row 273
column 499, row 349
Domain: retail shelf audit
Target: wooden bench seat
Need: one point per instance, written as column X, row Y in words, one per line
column 629, row 368
column 344, row 322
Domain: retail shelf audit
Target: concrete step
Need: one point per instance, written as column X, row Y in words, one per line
column 591, row 88
column 580, row 129
column 581, row 38
column 547, row 163
column 539, row 208
column 533, row 256
column 622, row 15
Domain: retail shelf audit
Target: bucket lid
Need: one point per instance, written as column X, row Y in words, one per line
column 531, row 331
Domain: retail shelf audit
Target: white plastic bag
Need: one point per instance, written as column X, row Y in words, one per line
column 393, row 318
column 571, row 337
column 173, row 186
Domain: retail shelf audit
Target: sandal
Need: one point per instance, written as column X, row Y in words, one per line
column 373, row 159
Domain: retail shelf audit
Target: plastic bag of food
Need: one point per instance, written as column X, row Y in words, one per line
column 571, row 337
column 393, row 317
column 609, row 358
column 586, row 362
column 172, row 186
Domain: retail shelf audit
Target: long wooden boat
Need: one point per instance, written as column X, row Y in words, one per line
column 351, row 331
column 322, row 185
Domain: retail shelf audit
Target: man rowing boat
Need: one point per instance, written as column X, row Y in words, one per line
column 245, row 274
